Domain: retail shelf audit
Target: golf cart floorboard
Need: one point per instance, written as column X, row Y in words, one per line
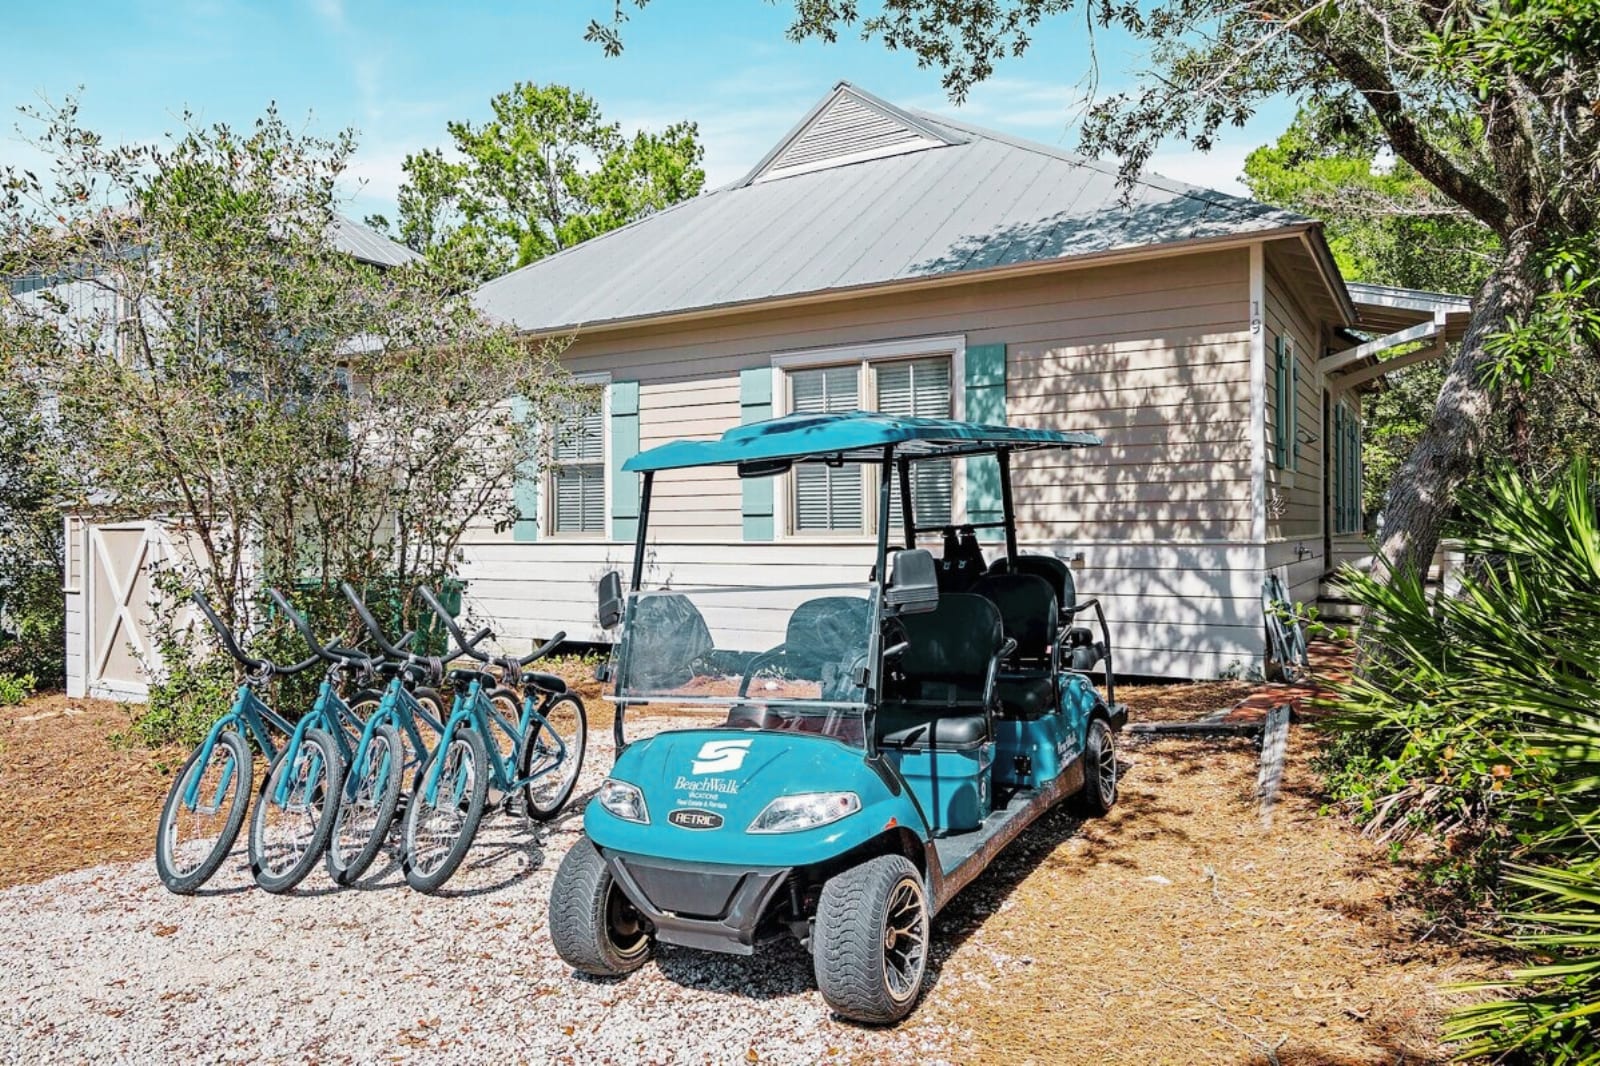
column 958, row 848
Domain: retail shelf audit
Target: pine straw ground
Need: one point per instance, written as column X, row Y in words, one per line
column 1177, row 930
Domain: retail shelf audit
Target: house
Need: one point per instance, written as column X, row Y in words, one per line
column 108, row 564
column 890, row 259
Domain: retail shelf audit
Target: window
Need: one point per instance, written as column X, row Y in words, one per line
column 578, row 470
column 1285, row 405
column 840, row 499
column 1345, row 483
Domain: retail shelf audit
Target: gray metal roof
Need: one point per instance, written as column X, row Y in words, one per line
column 930, row 197
column 367, row 244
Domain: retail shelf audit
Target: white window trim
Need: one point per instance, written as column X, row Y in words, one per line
column 547, row 506
column 951, row 345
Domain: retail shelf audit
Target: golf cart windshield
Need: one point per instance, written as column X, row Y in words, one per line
column 777, row 658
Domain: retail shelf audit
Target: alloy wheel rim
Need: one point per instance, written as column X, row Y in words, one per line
column 905, row 939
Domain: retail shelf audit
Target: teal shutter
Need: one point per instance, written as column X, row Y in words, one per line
column 624, row 446
column 525, row 488
column 1294, row 408
column 985, row 403
column 1280, row 405
column 755, row 405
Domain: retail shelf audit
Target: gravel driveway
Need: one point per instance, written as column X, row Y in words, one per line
column 104, row 965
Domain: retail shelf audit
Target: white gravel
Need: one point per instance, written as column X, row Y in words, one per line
column 105, row 965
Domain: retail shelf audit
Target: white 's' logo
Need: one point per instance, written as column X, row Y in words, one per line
column 720, row 756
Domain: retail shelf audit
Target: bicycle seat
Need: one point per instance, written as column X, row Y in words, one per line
column 465, row 676
column 544, row 682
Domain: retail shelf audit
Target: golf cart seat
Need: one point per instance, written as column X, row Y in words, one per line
column 963, row 560
column 1029, row 616
column 822, row 642
column 938, row 695
column 1053, row 570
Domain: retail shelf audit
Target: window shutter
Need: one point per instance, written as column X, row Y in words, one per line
column 827, row 499
column 920, row 389
column 755, row 405
column 624, row 445
column 985, row 403
column 1280, row 410
column 525, row 487
column 1294, row 407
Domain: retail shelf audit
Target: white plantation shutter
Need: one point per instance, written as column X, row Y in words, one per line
column 920, row 389
column 827, row 499
column 578, row 479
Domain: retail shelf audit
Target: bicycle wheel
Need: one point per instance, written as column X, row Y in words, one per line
column 193, row 839
column 371, row 794
column 287, row 838
column 554, row 751
column 438, row 834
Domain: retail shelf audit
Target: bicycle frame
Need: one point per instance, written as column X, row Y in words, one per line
column 254, row 716
column 329, row 712
column 400, row 709
column 473, row 707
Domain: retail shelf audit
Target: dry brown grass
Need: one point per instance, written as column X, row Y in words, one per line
column 69, row 797
column 1179, row 930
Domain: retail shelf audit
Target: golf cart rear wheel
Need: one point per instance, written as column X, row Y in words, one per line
column 870, row 945
column 594, row 927
column 1099, row 792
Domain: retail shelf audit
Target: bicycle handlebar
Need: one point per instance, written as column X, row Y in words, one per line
column 464, row 644
column 544, row 649
column 370, row 624
column 231, row 645
column 333, row 653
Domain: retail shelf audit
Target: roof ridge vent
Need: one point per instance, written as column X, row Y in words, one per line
column 848, row 126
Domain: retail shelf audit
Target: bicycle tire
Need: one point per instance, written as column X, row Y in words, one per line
column 467, row 750
column 234, row 748
column 543, row 805
column 384, row 753
column 318, row 799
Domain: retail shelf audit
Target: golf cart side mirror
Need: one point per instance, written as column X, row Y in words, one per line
column 913, row 583
column 610, row 600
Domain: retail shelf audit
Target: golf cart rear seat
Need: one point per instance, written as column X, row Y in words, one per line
column 963, row 559
column 944, row 681
column 1029, row 616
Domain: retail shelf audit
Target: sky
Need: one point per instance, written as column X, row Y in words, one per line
column 396, row 72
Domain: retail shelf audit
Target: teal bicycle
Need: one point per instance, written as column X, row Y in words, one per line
column 486, row 742
column 206, row 806
column 392, row 748
column 294, row 819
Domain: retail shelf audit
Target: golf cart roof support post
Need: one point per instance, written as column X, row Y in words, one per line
column 644, row 525
column 1009, row 516
column 903, row 467
column 869, row 717
column 883, row 517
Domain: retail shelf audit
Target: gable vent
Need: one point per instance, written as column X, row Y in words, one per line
column 847, row 129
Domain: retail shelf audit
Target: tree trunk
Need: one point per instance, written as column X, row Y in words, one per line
column 1424, row 488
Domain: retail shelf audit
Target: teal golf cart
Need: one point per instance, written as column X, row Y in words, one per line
column 870, row 746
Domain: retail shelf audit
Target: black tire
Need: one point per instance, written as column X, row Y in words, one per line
column 448, row 824
column 595, row 929
column 232, row 754
column 362, row 825
column 312, row 803
column 1099, row 792
column 550, row 792
column 870, row 944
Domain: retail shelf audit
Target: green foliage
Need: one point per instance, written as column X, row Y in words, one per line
column 1479, row 728
column 240, row 376
column 32, row 611
column 14, row 688
column 546, row 172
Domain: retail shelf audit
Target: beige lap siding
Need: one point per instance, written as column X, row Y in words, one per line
column 1295, row 503
column 1152, row 355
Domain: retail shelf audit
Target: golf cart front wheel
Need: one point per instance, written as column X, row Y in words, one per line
column 595, row 929
column 870, row 945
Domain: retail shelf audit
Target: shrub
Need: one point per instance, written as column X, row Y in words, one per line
column 14, row 688
column 1478, row 725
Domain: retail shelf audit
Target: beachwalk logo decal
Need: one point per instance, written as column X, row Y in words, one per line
column 690, row 818
column 721, row 756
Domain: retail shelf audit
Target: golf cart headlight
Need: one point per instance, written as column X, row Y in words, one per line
column 790, row 814
column 624, row 800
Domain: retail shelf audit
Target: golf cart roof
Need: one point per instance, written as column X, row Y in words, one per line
column 851, row 436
